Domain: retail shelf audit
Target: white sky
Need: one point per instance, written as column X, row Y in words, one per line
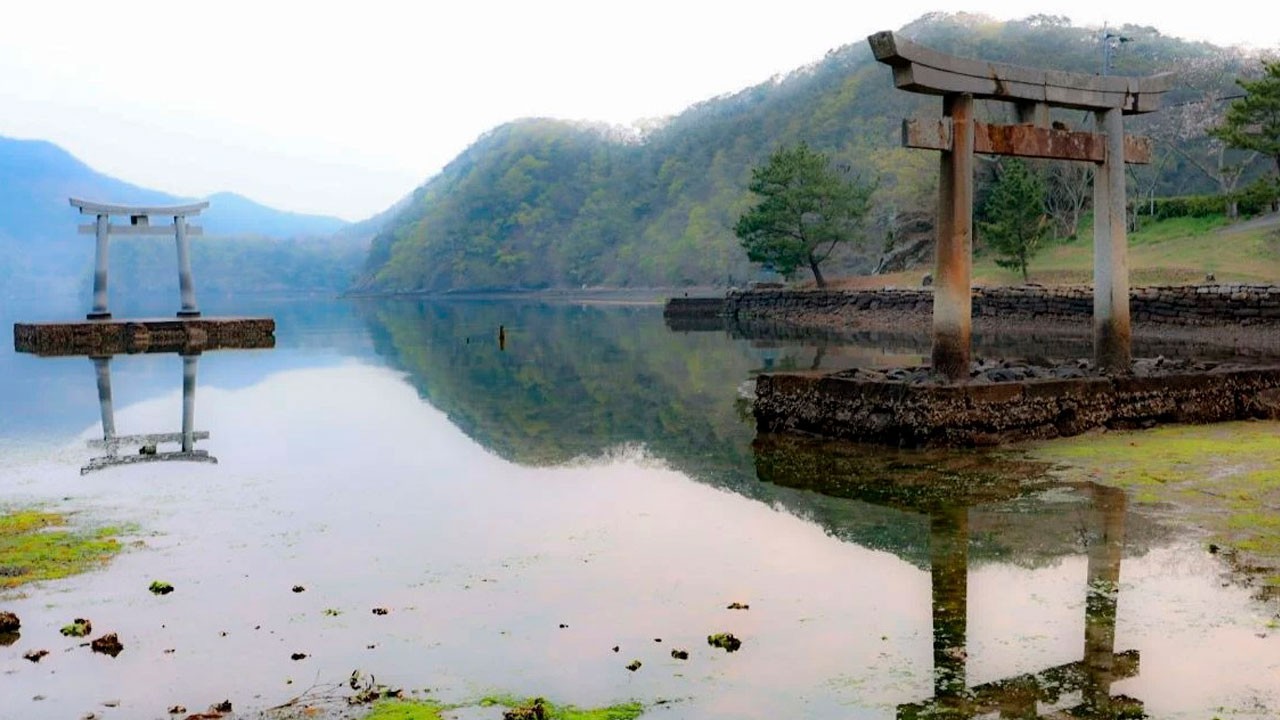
column 342, row 108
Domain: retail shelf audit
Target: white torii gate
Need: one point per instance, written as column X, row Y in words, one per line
column 140, row 224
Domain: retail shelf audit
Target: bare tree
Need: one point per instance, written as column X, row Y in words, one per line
column 1068, row 189
column 1184, row 128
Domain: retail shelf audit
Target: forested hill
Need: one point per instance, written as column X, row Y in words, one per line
column 545, row 203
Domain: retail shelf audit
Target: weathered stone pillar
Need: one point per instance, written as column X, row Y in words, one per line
column 952, row 312
column 186, row 286
column 101, row 257
column 1111, row 331
column 188, row 402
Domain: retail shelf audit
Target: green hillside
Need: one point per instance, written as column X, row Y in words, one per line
column 544, row 203
column 1174, row 251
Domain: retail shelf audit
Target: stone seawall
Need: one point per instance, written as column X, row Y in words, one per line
column 1173, row 304
column 118, row 337
column 919, row 415
column 694, row 307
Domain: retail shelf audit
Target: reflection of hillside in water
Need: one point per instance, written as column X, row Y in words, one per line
column 578, row 381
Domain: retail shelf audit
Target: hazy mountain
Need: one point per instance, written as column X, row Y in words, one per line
column 41, row 252
column 544, row 203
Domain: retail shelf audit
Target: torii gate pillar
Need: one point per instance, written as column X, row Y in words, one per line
column 1111, row 330
column 952, row 298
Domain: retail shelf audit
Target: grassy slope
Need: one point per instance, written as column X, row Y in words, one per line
column 1176, row 251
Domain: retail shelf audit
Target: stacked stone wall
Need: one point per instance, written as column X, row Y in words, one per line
column 1172, row 304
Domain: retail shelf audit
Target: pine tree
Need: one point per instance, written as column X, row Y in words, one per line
column 1253, row 121
column 806, row 209
column 1017, row 219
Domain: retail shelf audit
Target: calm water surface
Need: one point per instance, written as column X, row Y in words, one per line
column 597, row 482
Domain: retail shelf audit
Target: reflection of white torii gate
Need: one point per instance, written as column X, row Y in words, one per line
column 140, row 224
column 958, row 135
column 146, row 443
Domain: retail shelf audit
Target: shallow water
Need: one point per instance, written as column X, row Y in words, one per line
column 597, row 472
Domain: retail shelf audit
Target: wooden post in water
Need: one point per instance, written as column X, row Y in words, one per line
column 1111, row 330
column 952, row 301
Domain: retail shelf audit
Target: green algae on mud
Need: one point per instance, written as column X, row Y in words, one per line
column 407, row 710
column 1223, row 478
column 35, row 545
column 398, row 709
column 621, row 711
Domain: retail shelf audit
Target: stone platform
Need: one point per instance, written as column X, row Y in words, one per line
column 906, row 408
column 115, row 337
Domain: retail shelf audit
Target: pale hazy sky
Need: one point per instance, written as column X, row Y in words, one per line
column 345, row 107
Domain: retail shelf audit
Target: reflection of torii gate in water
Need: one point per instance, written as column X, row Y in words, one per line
column 885, row 478
column 958, row 136
column 1017, row 697
column 146, row 444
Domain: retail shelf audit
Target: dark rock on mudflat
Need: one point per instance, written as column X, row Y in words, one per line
column 34, row 655
column 108, row 644
column 725, row 641
column 9, row 622
column 533, row 710
column 680, row 654
column 80, row 627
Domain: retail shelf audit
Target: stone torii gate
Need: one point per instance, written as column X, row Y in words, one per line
column 959, row 135
column 140, row 224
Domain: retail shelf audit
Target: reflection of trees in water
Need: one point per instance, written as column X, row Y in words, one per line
column 573, row 380
column 579, row 381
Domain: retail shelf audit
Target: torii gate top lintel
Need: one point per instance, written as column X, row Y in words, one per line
column 919, row 69
column 88, row 207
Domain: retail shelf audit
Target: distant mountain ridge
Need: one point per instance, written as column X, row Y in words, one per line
column 38, row 177
column 39, row 246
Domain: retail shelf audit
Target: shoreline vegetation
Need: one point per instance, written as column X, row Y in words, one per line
column 36, row 546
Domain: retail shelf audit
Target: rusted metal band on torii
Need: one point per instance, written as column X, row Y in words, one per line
column 1024, row 141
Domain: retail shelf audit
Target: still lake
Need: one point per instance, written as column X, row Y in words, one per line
column 593, row 483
